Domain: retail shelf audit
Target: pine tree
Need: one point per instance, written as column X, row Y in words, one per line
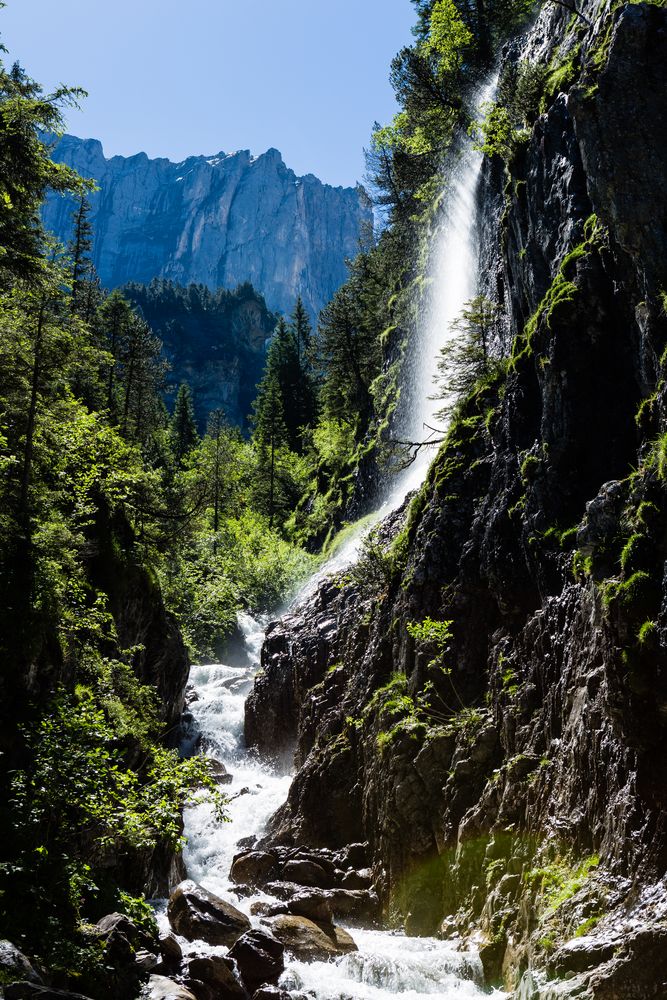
column 184, row 436
column 351, row 356
column 271, row 433
column 466, row 357
column 79, row 249
column 115, row 317
column 302, row 392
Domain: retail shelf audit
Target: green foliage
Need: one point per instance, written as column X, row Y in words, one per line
column 27, row 171
column 559, row 881
column 140, row 912
column 183, row 427
column 435, row 634
column 507, row 120
column 648, row 634
column 562, row 289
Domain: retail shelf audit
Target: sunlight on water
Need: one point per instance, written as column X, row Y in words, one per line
column 390, row 965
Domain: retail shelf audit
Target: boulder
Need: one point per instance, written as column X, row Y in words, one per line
column 259, row 958
column 216, row 971
column 311, row 942
column 305, row 872
column 283, row 890
column 252, row 867
column 356, row 903
column 219, row 772
column 261, row 908
column 161, row 988
column 202, row 990
column 313, row 905
column 357, row 880
column 13, row 963
column 170, row 949
column 129, row 953
column 197, row 914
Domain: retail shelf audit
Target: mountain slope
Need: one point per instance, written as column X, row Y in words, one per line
column 219, row 221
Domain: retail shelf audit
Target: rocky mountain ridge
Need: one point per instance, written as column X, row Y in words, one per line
column 507, row 768
column 219, row 220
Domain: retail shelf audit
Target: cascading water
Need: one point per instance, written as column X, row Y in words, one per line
column 386, row 964
column 453, row 281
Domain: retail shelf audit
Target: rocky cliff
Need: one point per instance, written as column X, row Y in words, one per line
column 220, row 221
column 485, row 703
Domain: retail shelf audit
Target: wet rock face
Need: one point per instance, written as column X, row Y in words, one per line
column 197, row 914
column 524, row 801
column 218, row 221
column 620, row 124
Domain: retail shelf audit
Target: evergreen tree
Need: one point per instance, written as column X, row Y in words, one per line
column 270, row 434
column 302, row 393
column 27, row 171
column 351, row 356
column 82, row 268
column 114, row 319
column 466, row 357
column 140, row 376
column 183, row 428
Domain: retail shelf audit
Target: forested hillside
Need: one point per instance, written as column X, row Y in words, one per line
column 214, row 341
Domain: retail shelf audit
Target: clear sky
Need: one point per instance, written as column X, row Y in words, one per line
column 176, row 78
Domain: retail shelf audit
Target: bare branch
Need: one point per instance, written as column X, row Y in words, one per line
column 573, row 10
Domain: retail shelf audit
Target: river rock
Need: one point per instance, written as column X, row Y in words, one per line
column 314, row 905
column 259, row 958
column 308, row 873
column 195, row 913
column 309, row 941
column 162, row 988
column 357, row 879
column 170, row 949
column 217, row 972
column 253, row 867
column 219, row 772
column 271, row 993
column 14, row 963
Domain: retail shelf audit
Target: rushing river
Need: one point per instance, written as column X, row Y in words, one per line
column 386, row 964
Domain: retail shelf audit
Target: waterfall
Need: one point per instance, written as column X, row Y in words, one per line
column 387, row 964
column 453, row 279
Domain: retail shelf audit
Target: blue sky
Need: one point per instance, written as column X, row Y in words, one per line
column 175, row 79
